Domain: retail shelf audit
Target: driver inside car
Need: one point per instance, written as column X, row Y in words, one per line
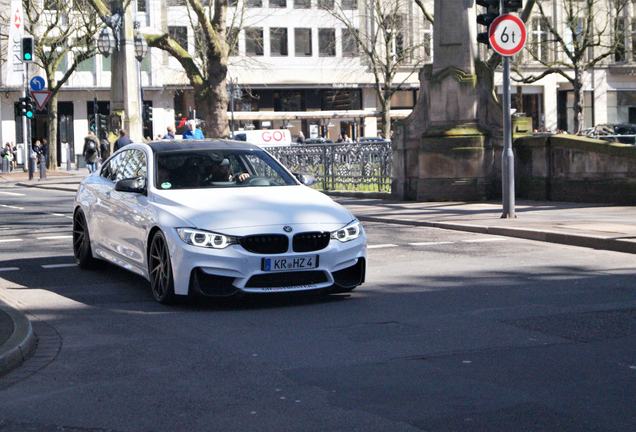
column 220, row 172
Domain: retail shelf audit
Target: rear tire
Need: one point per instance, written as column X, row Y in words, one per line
column 82, row 242
column 160, row 270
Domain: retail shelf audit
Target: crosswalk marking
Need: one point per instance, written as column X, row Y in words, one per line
column 54, row 266
column 430, row 243
column 11, row 193
column 482, row 240
column 8, row 269
column 10, row 240
column 381, row 246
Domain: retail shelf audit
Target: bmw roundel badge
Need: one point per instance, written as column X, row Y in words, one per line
column 287, row 229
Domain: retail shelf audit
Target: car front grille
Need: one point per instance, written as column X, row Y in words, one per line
column 265, row 243
column 286, row 279
column 311, row 241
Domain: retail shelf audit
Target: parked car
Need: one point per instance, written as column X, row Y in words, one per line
column 218, row 218
column 318, row 141
column 372, row 140
column 614, row 132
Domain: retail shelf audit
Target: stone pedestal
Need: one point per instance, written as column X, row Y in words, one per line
column 444, row 150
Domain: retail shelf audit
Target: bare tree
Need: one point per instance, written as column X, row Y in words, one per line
column 207, row 66
column 385, row 43
column 60, row 30
column 591, row 31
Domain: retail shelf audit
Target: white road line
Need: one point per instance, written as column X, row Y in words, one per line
column 10, row 240
column 11, row 207
column 55, row 237
column 8, row 269
column 484, row 240
column 381, row 246
column 57, row 214
column 430, row 243
column 11, row 193
column 54, row 266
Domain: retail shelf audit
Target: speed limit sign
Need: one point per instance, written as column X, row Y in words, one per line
column 507, row 35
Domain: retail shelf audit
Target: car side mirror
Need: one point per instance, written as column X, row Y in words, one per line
column 134, row 185
column 306, row 179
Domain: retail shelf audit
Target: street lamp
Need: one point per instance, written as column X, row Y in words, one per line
column 104, row 41
column 141, row 46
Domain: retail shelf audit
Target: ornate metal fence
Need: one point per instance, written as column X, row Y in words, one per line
column 342, row 167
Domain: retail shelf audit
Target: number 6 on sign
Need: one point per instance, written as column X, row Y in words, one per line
column 507, row 35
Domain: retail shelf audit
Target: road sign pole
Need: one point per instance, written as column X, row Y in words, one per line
column 507, row 156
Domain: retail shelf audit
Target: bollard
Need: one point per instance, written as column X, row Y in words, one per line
column 5, row 165
column 42, row 167
column 31, row 165
column 68, row 156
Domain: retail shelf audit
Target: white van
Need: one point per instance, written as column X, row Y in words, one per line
column 265, row 137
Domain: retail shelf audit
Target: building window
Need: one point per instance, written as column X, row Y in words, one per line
column 180, row 35
column 142, row 6
column 254, row 41
column 232, row 3
column 327, row 42
column 87, row 65
column 619, row 54
column 254, row 3
column 349, row 43
column 302, row 4
column 278, row 41
column 539, row 39
column 428, row 42
column 106, row 64
column 326, row 4
column 232, row 37
column 175, row 3
column 633, row 39
column 303, row 42
column 349, row 4
column 63, row 64
column 278, row 3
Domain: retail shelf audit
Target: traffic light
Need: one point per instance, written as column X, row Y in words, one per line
column 485, row 19
column 27, row 49
column 512, row 5
column 147, row 113
column 102, row 122
column 26, row 107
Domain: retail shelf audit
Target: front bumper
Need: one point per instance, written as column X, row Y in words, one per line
column 226, row 272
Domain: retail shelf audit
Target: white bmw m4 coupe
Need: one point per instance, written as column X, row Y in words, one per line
column 215, row 217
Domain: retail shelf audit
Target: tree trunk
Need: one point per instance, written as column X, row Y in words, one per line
column 385, row 106
column 211, row 102
column 53, row 156
column 578, row 107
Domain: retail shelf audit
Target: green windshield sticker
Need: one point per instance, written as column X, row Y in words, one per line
column 166, row 185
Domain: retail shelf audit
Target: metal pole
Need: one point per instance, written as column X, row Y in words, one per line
column 27, row 153
column 232, row 106
column 507, row 156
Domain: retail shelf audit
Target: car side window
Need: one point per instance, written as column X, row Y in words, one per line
column 109, row 170
column 132, row 165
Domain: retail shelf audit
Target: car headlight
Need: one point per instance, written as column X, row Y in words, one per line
column 206, row 239
column 350, row 232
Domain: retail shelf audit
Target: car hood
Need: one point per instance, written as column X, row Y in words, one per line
column 239, row 210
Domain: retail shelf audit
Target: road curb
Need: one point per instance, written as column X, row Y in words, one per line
column 592, row 242
column 20, row 344
column 47, row 187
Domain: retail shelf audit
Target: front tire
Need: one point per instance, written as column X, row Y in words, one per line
column 160, row 270
column 82, row 242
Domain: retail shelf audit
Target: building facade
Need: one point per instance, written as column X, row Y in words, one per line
column 300, row 56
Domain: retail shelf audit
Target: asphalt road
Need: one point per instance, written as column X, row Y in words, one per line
column 452, row 332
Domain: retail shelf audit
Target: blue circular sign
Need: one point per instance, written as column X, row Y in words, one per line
column 37, row 83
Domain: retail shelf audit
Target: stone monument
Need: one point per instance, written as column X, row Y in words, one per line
column 444, row 150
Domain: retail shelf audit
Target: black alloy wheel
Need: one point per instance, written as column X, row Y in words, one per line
column 160, row 270
column 82, row 241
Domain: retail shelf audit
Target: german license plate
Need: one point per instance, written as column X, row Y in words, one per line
column 289, row 263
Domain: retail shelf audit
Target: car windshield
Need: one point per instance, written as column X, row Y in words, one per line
column 197, row 169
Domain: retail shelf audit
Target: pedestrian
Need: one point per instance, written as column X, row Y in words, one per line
column 91, row 152
column 45, row 151
column 104, row 146
column 300, row 139
column 122, row 141
column 192, row 131
column 170, row 133
column 14, row 149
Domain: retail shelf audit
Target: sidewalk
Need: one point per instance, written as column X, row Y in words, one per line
column 57, row 180
column 588, row 225
column 596, row 226
column 17, row 340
